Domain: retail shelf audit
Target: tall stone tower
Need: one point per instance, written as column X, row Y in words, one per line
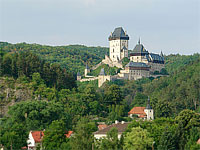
column 118, row 41
column 87, row 70
column 149, row 111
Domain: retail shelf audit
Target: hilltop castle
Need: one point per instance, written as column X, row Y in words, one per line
column 142, row 63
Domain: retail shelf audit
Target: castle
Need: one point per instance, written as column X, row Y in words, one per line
column 142, row 63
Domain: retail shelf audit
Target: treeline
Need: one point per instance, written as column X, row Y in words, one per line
column 174, row 62
column 16, row 64
column 72, row 57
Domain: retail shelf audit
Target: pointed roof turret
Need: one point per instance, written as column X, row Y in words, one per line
column 139, row 41
column 139, row 49
column 148, row 104
column 161, row 54
column 87, row 67
column 78, row 74
column 102, row 72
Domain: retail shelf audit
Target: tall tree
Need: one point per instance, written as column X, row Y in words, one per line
column 137, row 139
column 54, row 136
column 83, row 137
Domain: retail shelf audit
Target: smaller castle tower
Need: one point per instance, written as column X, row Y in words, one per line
column 78, row 76
column 103, row 77
column 149, row 111
column 87, row 70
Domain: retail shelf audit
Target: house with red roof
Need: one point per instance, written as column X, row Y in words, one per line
column 35, row 139
column 142, row 112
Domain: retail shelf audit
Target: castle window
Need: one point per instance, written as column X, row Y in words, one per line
column 113, row 50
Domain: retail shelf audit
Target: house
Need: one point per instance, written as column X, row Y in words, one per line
column 121, row 127
column 35, row 139
column 142, row 112
column 137, row 111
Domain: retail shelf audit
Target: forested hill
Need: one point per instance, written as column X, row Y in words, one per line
column 75, row 57
column 174, row 62
column 71, row 57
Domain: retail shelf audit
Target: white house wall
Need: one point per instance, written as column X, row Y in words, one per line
column 30, row 141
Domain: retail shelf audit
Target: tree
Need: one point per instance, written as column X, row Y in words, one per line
column 137, row 139
column 37, row 114
column 192, row 138
column 91, row 99
column 13, row 135
column 113, row 95
column 168, row 140
column 54, row 136
column 163, row 109
column 139, row 99
column 186, row 120
column 83, row 137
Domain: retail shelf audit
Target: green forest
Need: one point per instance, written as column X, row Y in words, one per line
column 72, row 57
column 39, row 91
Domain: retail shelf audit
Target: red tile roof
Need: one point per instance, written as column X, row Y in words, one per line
column 138, row 111
column 68, row 134
column 102, row 126
column 37, row 136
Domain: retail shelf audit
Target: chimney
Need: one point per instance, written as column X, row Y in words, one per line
column 123, row 122
column 116, row 122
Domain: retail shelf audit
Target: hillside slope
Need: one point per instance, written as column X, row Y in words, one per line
column 71, row 57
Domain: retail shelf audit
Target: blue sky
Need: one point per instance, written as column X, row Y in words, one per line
column 172, row 26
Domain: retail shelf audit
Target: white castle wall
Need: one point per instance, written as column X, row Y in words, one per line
column 115, row 49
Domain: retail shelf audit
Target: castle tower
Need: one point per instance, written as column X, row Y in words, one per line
column 139, row 53
column 78, row 76
column 118, row 41
column 87, row 70
column 103, row 77
column 149, row 111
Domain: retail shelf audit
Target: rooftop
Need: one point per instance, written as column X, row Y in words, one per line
column 139, row 48
column 118, row 34
column 121, row 127
column 69, row 134
column 37, row 136
column 137, row 110
column 136, row 64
